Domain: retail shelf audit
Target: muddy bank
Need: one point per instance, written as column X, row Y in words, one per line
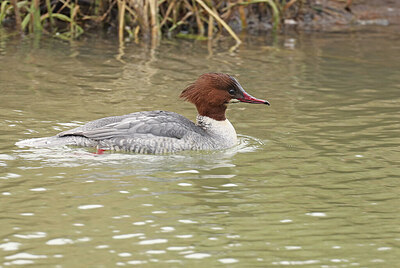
column 326, row 15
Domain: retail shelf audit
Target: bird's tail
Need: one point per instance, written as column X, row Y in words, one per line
column 43, row 142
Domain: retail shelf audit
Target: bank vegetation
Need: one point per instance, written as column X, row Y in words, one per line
column 147, row 19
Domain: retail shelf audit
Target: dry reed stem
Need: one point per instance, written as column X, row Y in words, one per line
column 74, row 12
column 136, row 34
column 198, row 20
column 153, row 19
column 17, row 15
column 170, row 7
column 141, row 8
column 242, row 14
column 210, row 27
column 146, row 18
column 219, row 24
column 130, row 11
column 121, row 20
column 226, row 26
column 65, row 4
column 187, row 15
column 289, row 4
column 107, row 12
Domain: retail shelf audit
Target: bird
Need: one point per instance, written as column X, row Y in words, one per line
column 161, row 132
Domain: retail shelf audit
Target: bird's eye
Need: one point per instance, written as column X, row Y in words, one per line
column 231, row 91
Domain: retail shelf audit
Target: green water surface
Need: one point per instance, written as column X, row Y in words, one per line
column 314, row 181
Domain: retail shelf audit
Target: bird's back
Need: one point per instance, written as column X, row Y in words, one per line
column 141, row 132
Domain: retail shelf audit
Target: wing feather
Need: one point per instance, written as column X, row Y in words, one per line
column 142, row 124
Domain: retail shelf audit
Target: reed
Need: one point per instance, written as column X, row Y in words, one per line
column 5, row 6
column 16, row 14
column 121, row 19
column 50, row 12
column 137, row 19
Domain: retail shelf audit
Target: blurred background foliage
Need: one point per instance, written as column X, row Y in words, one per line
column 147, row 19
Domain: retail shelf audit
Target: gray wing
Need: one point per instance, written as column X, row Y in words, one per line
column 140, row 125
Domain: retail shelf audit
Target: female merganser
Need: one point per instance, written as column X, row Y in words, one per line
column 156, row 132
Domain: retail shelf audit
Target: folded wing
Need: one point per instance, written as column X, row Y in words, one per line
column 136, row 125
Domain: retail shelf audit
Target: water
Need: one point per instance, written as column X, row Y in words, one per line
column 314, row 181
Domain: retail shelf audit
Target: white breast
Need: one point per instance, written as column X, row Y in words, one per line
column 222, row 131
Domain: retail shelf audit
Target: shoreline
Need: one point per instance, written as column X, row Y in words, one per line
column 200, row 21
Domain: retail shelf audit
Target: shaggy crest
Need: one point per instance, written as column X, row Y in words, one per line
column 210, row 94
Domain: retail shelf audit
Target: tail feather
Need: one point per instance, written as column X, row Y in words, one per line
column 44, row 142
column 56, row 141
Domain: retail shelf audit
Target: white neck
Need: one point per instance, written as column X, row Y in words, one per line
column 223, row 131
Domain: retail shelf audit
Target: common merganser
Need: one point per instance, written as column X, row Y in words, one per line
column 155, row 132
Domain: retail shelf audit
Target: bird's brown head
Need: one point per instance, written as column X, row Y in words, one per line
column 211, row 93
